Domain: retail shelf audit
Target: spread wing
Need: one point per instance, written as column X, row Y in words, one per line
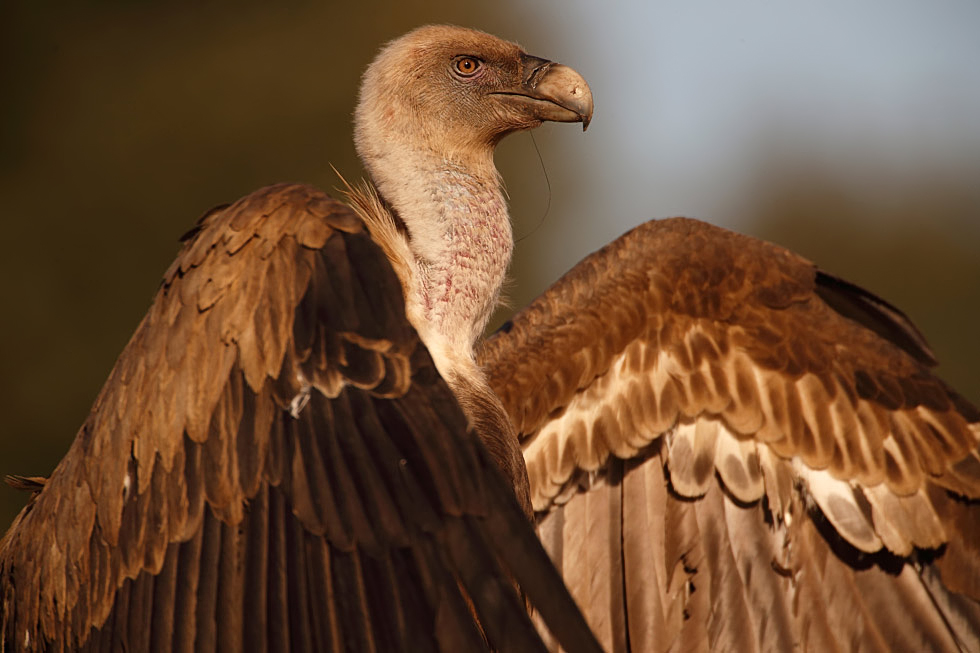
column 274, row 464
column 729, row 450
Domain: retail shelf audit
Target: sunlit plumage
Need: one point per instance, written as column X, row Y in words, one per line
column 725, row 447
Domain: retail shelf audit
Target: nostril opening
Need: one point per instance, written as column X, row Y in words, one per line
column 534, row 67
column 532, row 79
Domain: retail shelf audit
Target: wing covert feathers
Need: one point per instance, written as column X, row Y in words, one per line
column 804, row 444
column 274, row 464
column 720, row 342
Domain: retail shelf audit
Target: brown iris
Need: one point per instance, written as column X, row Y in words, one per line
column 466, row 66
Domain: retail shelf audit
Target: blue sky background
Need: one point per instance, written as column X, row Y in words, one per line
column 694, row 99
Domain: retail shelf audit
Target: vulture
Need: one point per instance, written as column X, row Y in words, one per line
column 306, row 445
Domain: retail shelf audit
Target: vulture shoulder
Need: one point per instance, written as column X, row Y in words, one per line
column 729, row 449
column 275, row 464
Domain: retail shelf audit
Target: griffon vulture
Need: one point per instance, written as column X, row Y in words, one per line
column 725, row 447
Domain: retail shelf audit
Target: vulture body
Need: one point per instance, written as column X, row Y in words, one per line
column 304, row 448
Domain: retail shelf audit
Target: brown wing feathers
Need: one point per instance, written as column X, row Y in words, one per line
column 274, row 464
column 771, row 404
column 321, row 495
column 704, row 324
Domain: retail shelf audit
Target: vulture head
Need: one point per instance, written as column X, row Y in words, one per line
column 456, row 92
column 432, row 107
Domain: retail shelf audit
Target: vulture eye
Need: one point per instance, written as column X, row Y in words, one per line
column 466, row 66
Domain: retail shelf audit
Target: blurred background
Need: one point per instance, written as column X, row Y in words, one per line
column 849, row 132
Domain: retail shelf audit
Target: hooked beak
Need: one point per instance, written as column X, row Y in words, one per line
column 551, row 91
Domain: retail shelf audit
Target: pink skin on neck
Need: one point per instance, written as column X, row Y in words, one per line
column 460, row 288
